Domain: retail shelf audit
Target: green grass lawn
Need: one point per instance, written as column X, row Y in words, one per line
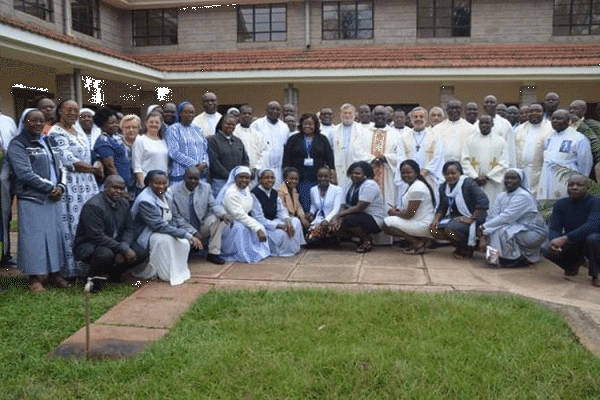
column 310, row 344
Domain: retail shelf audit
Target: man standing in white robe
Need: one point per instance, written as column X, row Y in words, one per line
column 502, row 128
column 275, row 133
column 379, row 147
column 454, row 132
column 345, row 143
column 422, row 145
column 565, row 147
column 485, row 158
column 209, row 119
column 253, row 141
column 531, row 137
column 326, row 120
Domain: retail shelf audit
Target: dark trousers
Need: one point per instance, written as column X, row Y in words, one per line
column 102, row 261
column 571, row 257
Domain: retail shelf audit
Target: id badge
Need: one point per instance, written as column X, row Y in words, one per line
column 309, row 162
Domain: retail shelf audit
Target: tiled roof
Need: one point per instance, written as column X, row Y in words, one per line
column 438, row 56
column 348, row 57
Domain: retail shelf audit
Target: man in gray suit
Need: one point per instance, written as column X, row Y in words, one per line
column 194, row 201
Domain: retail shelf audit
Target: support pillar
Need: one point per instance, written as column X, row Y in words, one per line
column 527, row 95
column 290, row 95
column 446, row 94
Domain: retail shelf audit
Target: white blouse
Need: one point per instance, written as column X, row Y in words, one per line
column 148, row 154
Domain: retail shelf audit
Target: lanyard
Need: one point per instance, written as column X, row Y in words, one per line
column 308, row 144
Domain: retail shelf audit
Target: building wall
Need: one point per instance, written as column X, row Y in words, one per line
column 28, row 75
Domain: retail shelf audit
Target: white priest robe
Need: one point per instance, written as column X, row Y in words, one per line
column 503, row 128
column 254, row 144
column 376, row 142
column 530, row 141
column 208, row 122
column 486, row 155
column 275, row 135
column 346, row 142
column 567, row 148
column 426, row 149
column 453, row 135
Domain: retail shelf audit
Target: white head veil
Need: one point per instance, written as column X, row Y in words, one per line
column 240, row 169
column 22, row 119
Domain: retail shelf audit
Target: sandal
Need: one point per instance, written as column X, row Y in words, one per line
column 364, row 247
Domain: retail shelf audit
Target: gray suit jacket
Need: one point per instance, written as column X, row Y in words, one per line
column 204, row 202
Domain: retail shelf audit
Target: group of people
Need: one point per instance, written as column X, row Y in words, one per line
column 101, row 193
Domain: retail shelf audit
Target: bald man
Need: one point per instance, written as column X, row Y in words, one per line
column 209, row 119
column 275, row 133
column 105, row 234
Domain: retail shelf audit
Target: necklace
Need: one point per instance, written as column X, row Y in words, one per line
column 418, row 147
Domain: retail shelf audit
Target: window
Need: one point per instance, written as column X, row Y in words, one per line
column 576, row 17
column 39, row 8
column 262, row 23
column 443, row 18
column 85, row 15
column 155, row 27
column 347, row 20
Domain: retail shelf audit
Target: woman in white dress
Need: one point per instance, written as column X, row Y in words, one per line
column 325, row 203
column 284, row 233
column 411, row 222
column 245, row 239
column 74, row 155
column 150, row 150
column 162, row 231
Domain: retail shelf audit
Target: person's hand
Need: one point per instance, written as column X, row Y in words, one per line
column 98, row 170
column 393, row 211
column 130, row 256
column 119, row 259
column 289, row 229
column 336, row 223
column 481, row 180
column 227, row 219
column 201, row 167
column 324, row 224
column 425, row 173
column 464, row 220
column 197, row 235
column 56, row 193
column 261, row 236
column 196, row 243
column 557, row 244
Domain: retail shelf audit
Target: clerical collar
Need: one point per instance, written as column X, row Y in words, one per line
column 419, row 132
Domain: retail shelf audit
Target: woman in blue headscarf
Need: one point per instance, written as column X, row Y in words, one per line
column 514, row 226
column 39, row 186
column 186, row 142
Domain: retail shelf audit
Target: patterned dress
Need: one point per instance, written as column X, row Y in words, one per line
column 81, row 186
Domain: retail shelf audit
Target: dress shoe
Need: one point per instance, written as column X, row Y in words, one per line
column 595, row 281
column 215, row 259
column 59, row 282
column 96, row 285
column 8, row 261
column 36, row 287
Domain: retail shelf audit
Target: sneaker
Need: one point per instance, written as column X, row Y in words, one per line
column 215, row 259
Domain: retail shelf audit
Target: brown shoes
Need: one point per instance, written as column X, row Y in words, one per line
column 36, row 286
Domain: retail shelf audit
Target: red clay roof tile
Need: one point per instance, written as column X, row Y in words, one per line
column 428, row 56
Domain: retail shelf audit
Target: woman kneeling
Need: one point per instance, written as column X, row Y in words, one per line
column 514, row 226
column 164, row 232
column 418, row 207
column 363, row 213
column 461, row 210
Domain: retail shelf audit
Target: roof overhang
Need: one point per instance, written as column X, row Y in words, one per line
column 145, row 4
column 16, row 43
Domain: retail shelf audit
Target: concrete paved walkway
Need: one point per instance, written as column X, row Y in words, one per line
column 149, row 313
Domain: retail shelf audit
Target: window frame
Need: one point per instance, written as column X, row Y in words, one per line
column 90, row 24
column 574, row 28
column 250, row 36
column 42, row 9
column 339, row 29
column 437, row 29
column 146, row 39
